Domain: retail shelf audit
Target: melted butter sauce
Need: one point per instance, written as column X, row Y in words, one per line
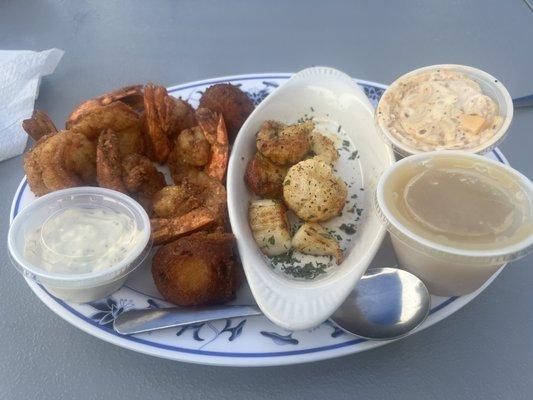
column 81, row 240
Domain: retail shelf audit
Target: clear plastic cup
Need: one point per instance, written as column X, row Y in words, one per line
column 446, row 270
column 79, row 287
column 490, row 86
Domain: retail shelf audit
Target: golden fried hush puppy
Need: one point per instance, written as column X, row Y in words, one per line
column 197, row 269
column 234, row 105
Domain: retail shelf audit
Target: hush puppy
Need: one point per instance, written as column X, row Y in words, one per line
column 197, row 269
column 234, row 105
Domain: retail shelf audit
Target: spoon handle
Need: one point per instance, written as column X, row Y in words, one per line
column 526, row 101
column 137, row 321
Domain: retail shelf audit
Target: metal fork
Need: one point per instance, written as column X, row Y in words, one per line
column 521, row 102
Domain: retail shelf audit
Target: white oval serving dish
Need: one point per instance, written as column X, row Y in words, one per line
column 332, row 96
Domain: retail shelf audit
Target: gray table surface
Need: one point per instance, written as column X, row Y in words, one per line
column 484, row 351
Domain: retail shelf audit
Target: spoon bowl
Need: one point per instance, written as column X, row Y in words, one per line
column 387, row 303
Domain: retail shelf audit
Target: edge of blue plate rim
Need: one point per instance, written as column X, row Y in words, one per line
column 110, row 331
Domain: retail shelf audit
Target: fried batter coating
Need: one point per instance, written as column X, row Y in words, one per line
column 232, row 102
column 197, row 188
column 185, row 117
column 282, row 144
column 108, row 162
column 130, row 95
column 165, row 230
column 60, row 160
column 198, row 269
column 118, row 117
column 313, row 192
column 39, row 125
column 33, row 169
column 204, row 146
column 142, row 179
column 265, row 178
column 173, row 201
column 215, row 132
column 158, row 121
column 192, row 148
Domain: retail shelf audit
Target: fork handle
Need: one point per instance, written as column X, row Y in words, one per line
column 521, row 102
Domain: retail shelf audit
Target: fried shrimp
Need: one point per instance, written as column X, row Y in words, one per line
column 185, row 116
column 158, row 121
column 265, row 178
column 173, row 201
column 165, row 230
column 323, row 148
column 39, row 125
column 60, row 160
column 313, row 192
column 234, row 105
column 193, row 148
column 142, row 179
column 33, row 168
column 282, row 144
column 108, row 162
column 130, row 95
column 215, row 132
column 118, row 117
column 199, row 201
column 203, row 148
column 198, row 269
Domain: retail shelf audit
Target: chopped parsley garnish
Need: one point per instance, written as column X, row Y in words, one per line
column 348, row 228
column 307, row 271
column 354, row 155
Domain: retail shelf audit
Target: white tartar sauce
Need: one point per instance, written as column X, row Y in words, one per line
column 80, row 239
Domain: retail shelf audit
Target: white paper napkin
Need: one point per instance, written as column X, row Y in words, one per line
column 20, row 76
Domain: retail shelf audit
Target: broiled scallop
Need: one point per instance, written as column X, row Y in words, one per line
column 313, row 192
column 323, row 148
column 312, row 238
column 265, row 178
column 282, row 144
column 270, row 227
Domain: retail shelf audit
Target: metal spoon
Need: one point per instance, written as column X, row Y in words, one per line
column 387, row 303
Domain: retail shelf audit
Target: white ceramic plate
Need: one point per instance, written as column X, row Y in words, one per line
column 252, row 341
column 340, row 108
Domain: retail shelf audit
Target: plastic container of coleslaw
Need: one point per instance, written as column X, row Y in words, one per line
column 490, row 86
column 102, row 273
